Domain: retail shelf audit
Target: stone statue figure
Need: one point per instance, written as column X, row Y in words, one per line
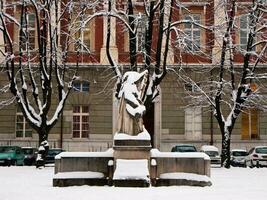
column 131, row 108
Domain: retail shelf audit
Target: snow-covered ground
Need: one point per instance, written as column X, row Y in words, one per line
column 28, row 183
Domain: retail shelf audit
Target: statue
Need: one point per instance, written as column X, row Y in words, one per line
column 131, row 108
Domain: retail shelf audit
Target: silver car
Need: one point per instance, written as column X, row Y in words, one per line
column 238, row 157
column 257, row 157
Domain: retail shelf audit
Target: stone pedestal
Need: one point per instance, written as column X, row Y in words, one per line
column 132, row 149
column 131, row 153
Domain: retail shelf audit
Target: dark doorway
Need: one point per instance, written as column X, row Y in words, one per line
column 149, row 122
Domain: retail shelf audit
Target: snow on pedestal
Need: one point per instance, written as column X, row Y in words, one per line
column 141, row 136
column 131, row 170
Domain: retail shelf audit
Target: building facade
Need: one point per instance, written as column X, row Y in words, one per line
column 90, row 115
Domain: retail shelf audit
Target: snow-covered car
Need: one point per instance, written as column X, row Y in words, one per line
column 184, row 148
column 213, row 153
column 257, row 157
column 238, row 157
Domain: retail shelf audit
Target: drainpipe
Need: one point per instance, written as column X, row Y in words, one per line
column 211, row 127
column 61, row 131
column 211, row 113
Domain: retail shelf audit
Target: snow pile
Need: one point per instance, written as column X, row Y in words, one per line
column 131, row 170
column 78, row 175
column 186, row 176
column 141, row 136
column 108, row 153
column 155, row 153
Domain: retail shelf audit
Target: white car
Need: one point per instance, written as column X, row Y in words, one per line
column 257, row 157
column 213, row 153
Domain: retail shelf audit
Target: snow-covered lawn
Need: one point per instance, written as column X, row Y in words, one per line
column 28, row 183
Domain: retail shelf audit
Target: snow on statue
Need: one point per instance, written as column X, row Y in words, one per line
column 131, row 108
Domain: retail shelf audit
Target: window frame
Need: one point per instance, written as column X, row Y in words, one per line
column 195, row 123
column 80, row 29
column 140, row 34
column 81, row 86
column 84, row 45
column 244, row 30
column 31, row 46
column 24, row 126
column 193, row 29
column 80, row 114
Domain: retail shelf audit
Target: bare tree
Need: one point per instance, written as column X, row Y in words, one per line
column 229, row 88
column 36, row 62
column 153, row 34
column 140, row 25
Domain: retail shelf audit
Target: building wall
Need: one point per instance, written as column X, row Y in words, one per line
column 170, row 110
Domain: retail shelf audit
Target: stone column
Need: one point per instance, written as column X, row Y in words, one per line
column 170, row 57
column 219, row 20
column 113, row 48
column 1, row 39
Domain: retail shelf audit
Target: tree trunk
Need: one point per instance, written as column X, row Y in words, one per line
column 43, row 148
column 226, row 141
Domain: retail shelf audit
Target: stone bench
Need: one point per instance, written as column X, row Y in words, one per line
column 169, row 168
column 83, row 168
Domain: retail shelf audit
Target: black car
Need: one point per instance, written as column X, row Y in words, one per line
column 50, row 158
column 184, row 148
column 30, row 154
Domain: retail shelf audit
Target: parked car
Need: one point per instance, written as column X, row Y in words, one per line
column 213, row 153
column 50, row 158
column 257, row 157
column 184, row 148
column 238, row 157
column 30, row 155
column 11, row 155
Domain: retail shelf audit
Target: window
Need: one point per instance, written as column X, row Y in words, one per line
column 140, row 33
column 23, row 129
column 192, row 33
column 80, row 122
column 192, row 87
column 249, row 128
column 84, row 37
column 28, row 23
column 81, row 86
column 83, row 31
column 244, row 31
column 193, row 123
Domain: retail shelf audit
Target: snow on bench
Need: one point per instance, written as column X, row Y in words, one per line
column 79, row 175
column 108, row 153
column 185, row 176
column 155, row 153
